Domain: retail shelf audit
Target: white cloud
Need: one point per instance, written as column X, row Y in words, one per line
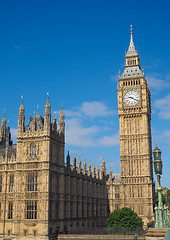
column 78, row 135
column 89, row 109
column 158, row 83
column 95, row 109
column 109, row 140
column 163, row 105
column 164, row 137
column 71, row 113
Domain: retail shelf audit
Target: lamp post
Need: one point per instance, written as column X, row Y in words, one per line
column 160, row 210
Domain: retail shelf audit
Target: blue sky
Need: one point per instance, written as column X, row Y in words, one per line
column 74, row 50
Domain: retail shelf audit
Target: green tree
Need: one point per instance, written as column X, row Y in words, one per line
column 124, row 218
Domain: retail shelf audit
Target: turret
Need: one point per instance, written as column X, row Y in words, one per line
column 89, row 169
column 98, row 173
column 110, row 175
column 94, row 171
column 37, row 119
column 34, row 123
column 21, row 118
column 74, row 162
column 84, row 167
column 3, row 127
column 54, row 126
column 61, row 124
column 103, row 169
column 8, row 135
column 47, row 115
column 79, row 165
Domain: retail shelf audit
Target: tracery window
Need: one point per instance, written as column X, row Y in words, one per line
column 116, row 192
column 10, row 210
column 33, row 150
column 32, row 182
column 11, row 183
column 31, row 210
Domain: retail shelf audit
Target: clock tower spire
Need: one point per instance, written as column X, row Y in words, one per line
column 134, row 110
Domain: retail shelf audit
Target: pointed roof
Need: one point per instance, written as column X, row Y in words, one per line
column 131, row 70
column 4, row 119
column 79, row 162
column 94, row 168
column 89, row 166
column 103, row 162
column 37, row 116
column 21, row 109
column 131, row 50
column 61, row 116
column 47, row 105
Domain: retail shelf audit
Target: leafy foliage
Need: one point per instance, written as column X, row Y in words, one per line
column 124, row 218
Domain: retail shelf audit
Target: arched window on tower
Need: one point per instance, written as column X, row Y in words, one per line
column 33, row 150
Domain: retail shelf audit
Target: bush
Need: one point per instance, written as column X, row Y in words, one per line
column 124, row 218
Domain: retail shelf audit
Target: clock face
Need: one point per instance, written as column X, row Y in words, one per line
column 131, row 97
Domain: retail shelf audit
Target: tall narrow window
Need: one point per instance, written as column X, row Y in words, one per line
column 32, row 182
column 0, row 210
column 11, row 183
column 33, row 151
column 116, row 192
column 10, row 210
column 31, row 210
column 0, row 183
column 109, row 193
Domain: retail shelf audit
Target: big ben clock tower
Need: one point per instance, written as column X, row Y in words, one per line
column 134, row 109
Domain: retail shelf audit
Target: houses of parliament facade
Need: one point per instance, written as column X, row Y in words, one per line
column 41, row 191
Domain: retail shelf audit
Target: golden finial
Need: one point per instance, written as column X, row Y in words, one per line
column 131, row 29
column 47, row 94
column 55, row 113
column 22, row 97
column 156, row 145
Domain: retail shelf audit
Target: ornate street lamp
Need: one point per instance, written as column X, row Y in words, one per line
column 161, row 213
column 157, row 163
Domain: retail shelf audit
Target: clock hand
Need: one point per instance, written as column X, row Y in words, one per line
column 133, row 98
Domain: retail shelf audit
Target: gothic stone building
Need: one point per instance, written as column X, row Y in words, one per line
column 39, row 192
